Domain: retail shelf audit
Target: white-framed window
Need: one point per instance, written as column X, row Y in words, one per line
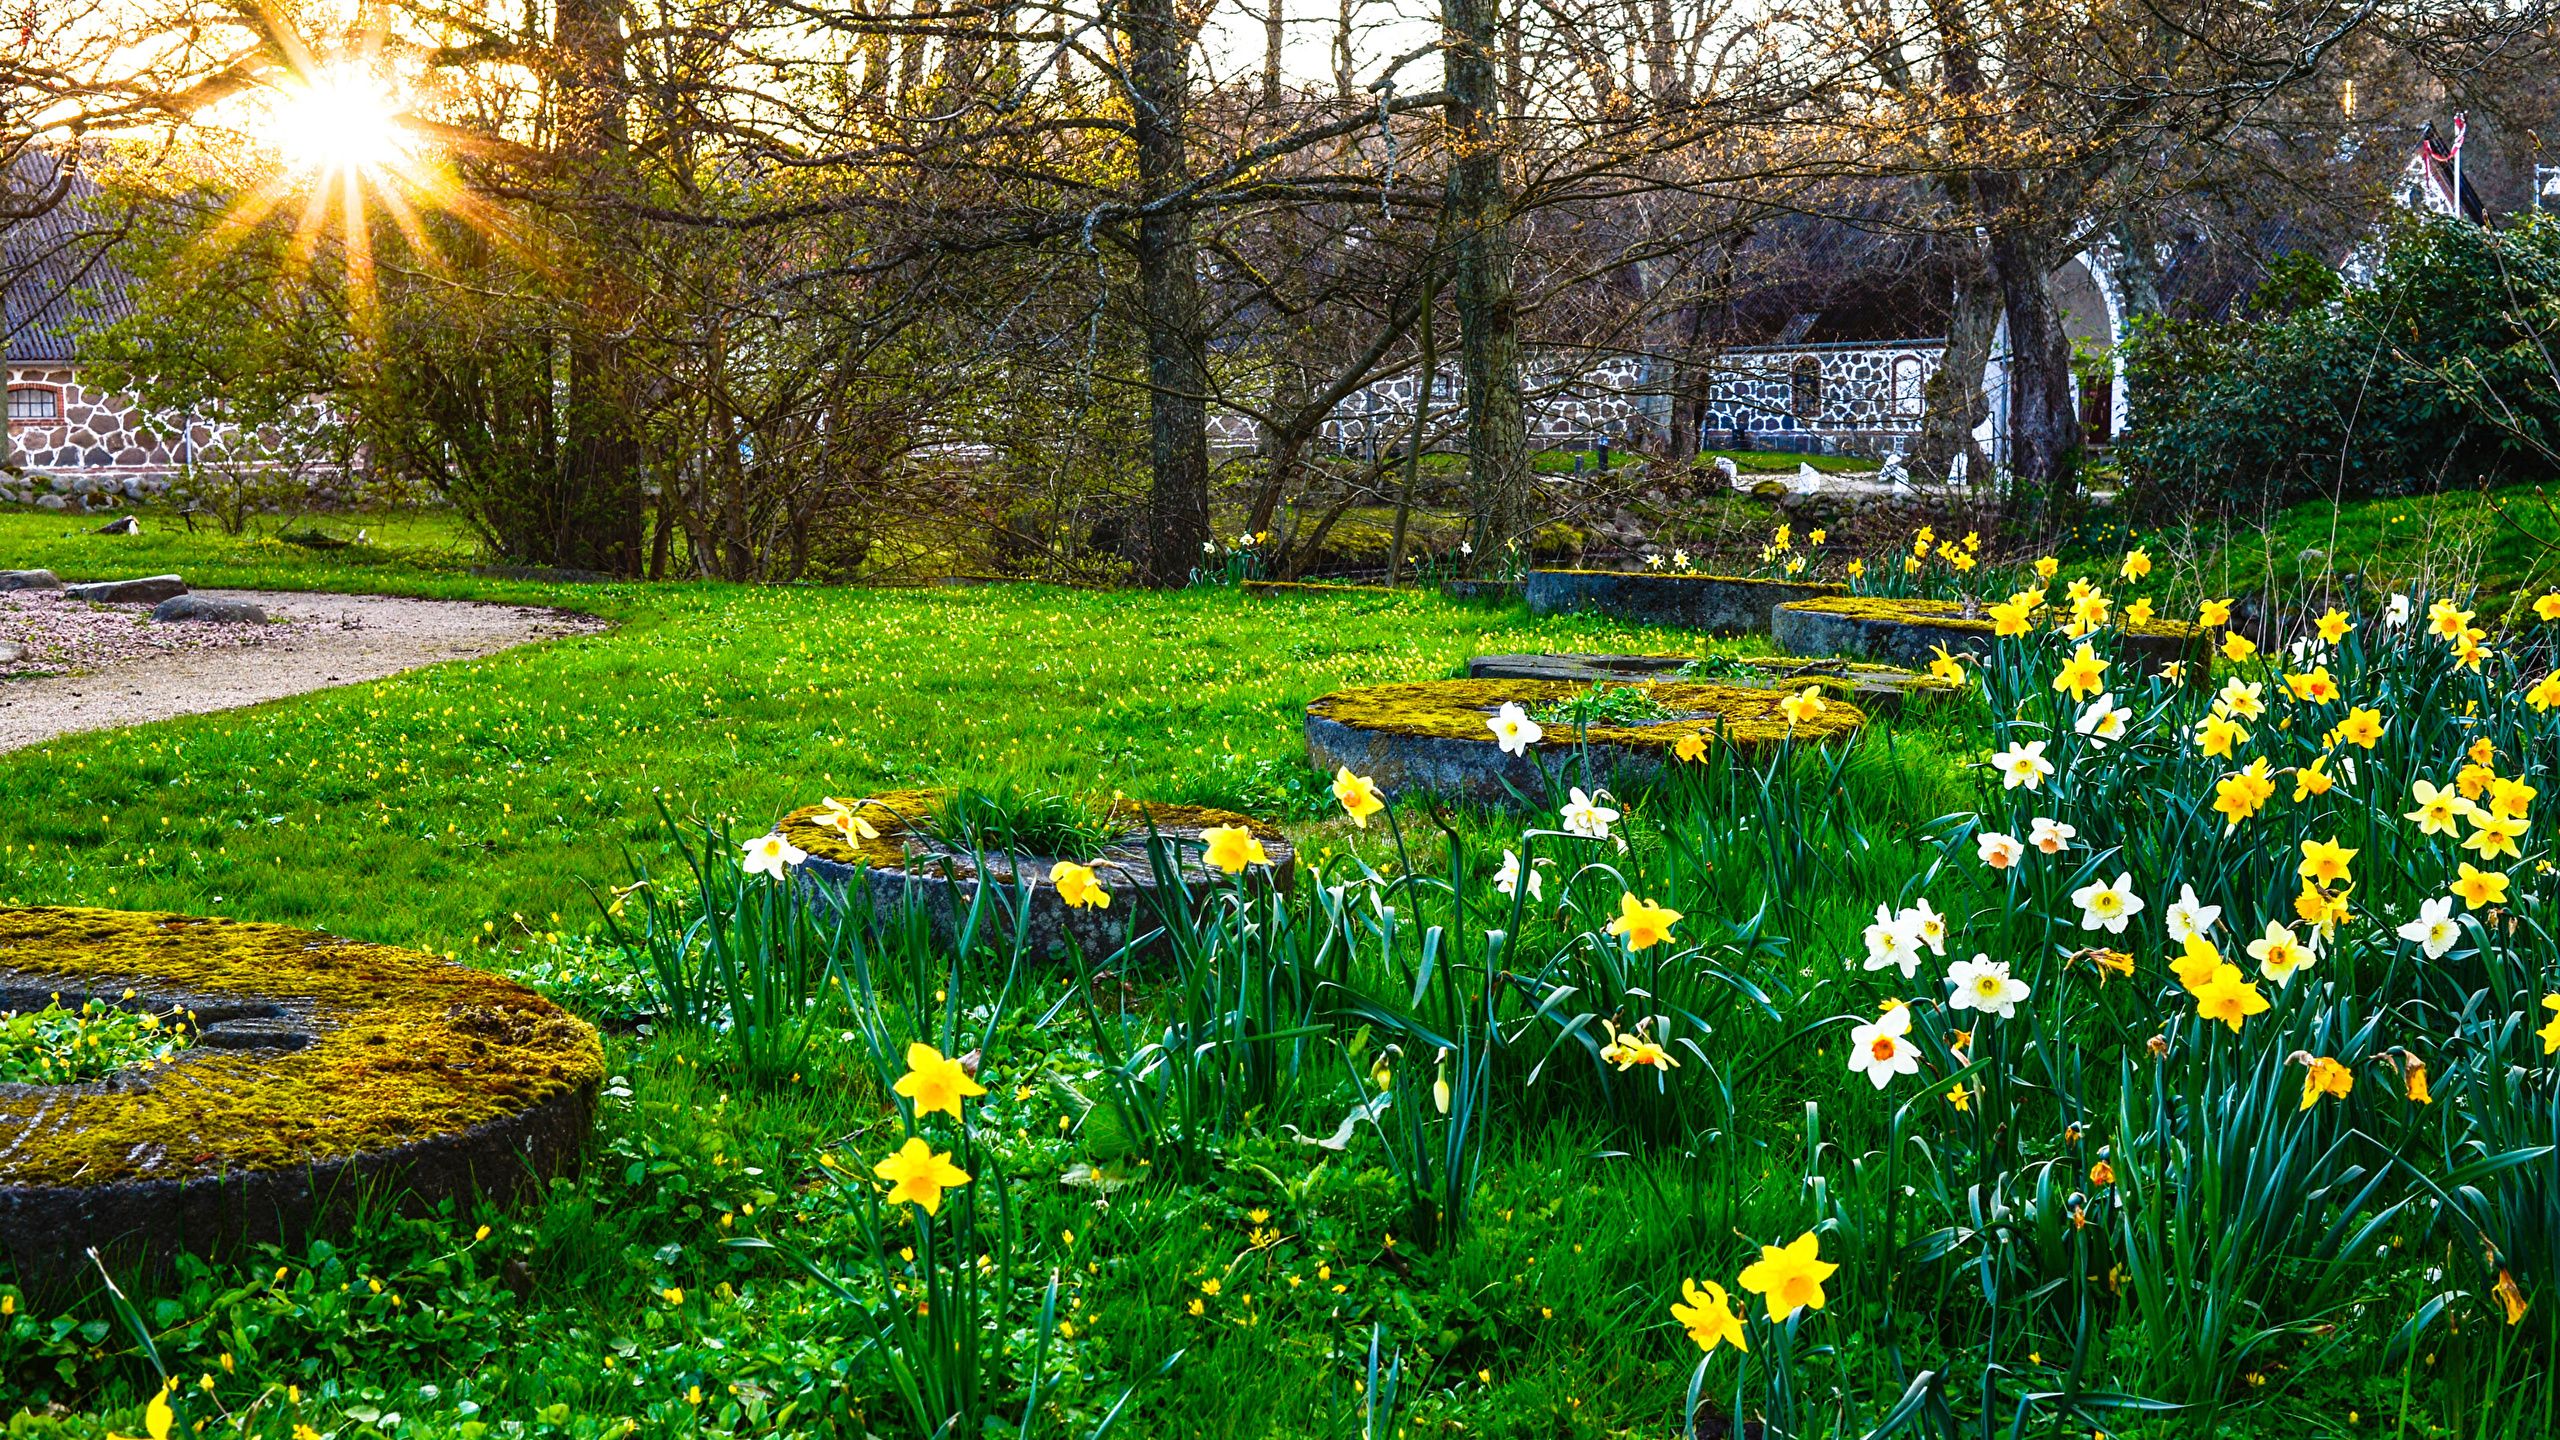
column 34, row 402
column 1804, row 388
column 1907, row 385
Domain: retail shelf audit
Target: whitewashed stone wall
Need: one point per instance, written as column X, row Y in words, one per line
column 99, row 434
column 1867, row 401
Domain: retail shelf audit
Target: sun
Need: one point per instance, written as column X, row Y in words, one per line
column 340, row 116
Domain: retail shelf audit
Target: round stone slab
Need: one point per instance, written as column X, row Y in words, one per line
column 1908, row 632
column 909, row 864
column 324, row 1072
column 1432, row 735
column 1727, row 604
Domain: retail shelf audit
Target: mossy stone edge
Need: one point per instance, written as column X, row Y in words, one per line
column 1430, row 736
column 1725, row 604
column 362, row 1071
column 1907, row 632
column 899, row 869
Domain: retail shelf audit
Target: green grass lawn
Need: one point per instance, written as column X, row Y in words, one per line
column 473, row 809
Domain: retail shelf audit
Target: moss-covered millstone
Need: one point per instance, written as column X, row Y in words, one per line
column 1908, row 632
column 322, row 1071
column 1875, row 688
column 908, row 864
column 1432, row 735
column 1726, row 604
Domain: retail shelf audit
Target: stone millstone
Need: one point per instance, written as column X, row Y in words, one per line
column 1432, row 735
column 29, row 580
column 216, row 609
column 1909, row 632
column 909, row 864
column 325, row 1074
column 148, row 591
column 1874, row 687
column 1722, row 603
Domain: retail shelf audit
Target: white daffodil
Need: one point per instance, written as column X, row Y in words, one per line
column 2190, row 917
column 2022, row 765
column 2050, row 835
column 1985, row 984
column 1926, row 925
column 2245, row 699
column 1882, row 1048
column 772, row 855
column 1997, row 850
column 1513, row 730
column 1892, row 942
column 2434, row 929
column 2107, row 907
column 2396, row 613
column 2278, row 954
column 1585, row 816
column 1507, row 880
column 2103, row 720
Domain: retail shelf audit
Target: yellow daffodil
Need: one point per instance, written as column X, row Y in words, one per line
column 934, row 1083
column 1946, row 667
column 1232, row 847
column 2474, row 779
column 1642, row 923
column 2138, row 614
column 2545, row 692
column 2238, row 796
column 2213, row 612
column 2361, row 727
column 918, row 1174
column 2332, row 627
column 2137, row 563
column 2511, row 798
column 1857, row 569
column 2494, row 835
column 1788, row 1278
column 1629, row 1049
column 1358, row 794
column 2046, row 567
column 1691, row 747
column 2315, row 688
column 2198, row 965
column 2448, row 622
column 2237, row 647
column 2229, row 997
column 2217, row 734
column 2479, row 889
column 2312, row 779
column 2550, row 1033
column 2325, row 862
column 2482, row 752
column 2083, row 675
column 2546, row 608
column 2325, row 1077
column 1709, row 1317
column 2009, row 619
column 1803, row 705
column 1077, row 886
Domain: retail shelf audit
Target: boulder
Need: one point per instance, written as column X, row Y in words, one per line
column 213, row 608
column 150, row 590
column 29, row 580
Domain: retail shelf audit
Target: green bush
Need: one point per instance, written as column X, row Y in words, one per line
column 2432, row 375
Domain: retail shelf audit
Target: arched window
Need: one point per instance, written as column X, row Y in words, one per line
column 1804, row 388
column 34, row 402
column 1907, row 385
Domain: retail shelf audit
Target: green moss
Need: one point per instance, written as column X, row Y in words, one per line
column 404, row 1047
column 904, row 822
column 1949, row 615
column 1458, row 709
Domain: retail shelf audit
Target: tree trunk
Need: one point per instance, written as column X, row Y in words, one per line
column 1952, row 398
column 2044, row 399
column 600, row 513
column 1488, row 307
column 1274, row 35
column 1169, row 302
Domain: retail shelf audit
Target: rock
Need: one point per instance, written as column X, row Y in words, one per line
column 211, row 608
column 129, row 525
column 29, row 580
column 150, row 590
column 9, row 653
column 51, row 502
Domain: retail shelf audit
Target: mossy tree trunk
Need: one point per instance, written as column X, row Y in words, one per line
column 1168, row 299
column 1488, row 304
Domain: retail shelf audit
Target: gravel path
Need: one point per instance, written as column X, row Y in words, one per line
column 93, row 667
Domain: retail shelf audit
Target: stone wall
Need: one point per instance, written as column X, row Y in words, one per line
column 97, row 433
column 1851, row 399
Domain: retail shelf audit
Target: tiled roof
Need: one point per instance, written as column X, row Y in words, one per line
column 55, row 269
